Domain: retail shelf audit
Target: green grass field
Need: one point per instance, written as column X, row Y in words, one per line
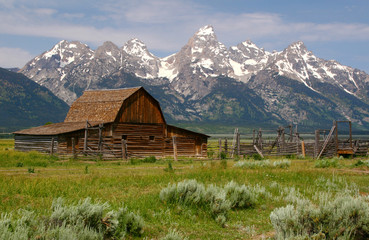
column 32, row 181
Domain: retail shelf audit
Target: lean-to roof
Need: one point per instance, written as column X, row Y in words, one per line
column 56, row 128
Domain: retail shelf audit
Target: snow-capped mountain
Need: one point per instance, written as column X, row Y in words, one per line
column 292, row 85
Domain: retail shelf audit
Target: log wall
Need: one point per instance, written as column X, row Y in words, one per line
column 141, row 140
column 41, row 143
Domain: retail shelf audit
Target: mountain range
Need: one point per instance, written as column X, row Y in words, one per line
column 24, row 103
column 207, row 82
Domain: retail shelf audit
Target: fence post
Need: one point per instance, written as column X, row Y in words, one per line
column 283, row 140
column 220, row 147
column 85, row 140
column 316, row 145
column 74, row 148
column 175, row 148
column 303, row 148
column 52, row 146
column 226, row 145
column 260, row 140
column 100, row 137
column 238, row 144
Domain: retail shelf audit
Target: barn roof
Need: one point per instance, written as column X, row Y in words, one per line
column 99, row 105
column 56, row 128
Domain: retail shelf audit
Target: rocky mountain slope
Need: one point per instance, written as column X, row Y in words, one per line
column 206, row 81
column 24, row 103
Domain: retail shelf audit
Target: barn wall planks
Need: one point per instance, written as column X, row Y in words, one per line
column 141, row 108
column 36, row 143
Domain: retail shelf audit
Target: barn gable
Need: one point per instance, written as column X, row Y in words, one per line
column 141, row 107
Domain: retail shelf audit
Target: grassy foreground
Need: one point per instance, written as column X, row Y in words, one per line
column 32, row 181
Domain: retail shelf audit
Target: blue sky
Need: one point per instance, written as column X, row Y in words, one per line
column 331, row 29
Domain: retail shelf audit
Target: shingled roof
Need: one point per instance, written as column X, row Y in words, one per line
column 99, row 105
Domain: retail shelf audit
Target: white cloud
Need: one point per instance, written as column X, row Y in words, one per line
column 14, row 57
column 165, row 25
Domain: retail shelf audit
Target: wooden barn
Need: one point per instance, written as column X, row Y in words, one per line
column 117, row 123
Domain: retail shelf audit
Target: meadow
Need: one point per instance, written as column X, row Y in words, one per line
column 32, row 181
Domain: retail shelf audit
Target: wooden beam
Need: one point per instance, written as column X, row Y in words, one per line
column 52, row 146
column 220, row 147
column 303, row 148
column 316, row 144
column 226, row 145
column 74, row 148
column 326, row 141
column 259, row 152
column 174, row 148
column 238, row 144
column 85, row 140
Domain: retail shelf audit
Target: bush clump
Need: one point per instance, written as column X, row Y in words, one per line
column 240, row 196
column 192, row 193
column 326, row 163
column 257, row 157
column 360, row 163
column 282, row 164
column 173, row 234
column 215, row 200
column 150, row 159
column 85, row 220
column 252, row 164
column 345, row 217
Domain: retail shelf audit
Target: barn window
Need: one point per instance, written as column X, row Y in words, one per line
column 124, row 137
column 151, row 138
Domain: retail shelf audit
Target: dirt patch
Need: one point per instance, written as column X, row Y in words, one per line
column 266, row 235
column 354, row 170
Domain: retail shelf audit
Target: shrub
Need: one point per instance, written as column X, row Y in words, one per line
column 191, row 193
column 215, row 200
column 361, row 163
column 85, row 211
column 17, row 229
column 240, row 196
column 282, row 164
column 123, row 222
column 114, row 224
column 257, row 157
column 19, row 164
column 31, row 170
column 85, row 220
column 326, row 163
column 210, row 154
column 223, row 155
column 170, row 167
column 173, row 234
column 252, row 164
column 150, row 159
column 345, row 217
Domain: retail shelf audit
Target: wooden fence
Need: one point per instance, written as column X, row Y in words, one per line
column 287, row 142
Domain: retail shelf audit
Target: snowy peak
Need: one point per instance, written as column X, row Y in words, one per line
column 66, row 52
column 138, row 60
column 137, row 48
column 297, row 47
column 206, row 31
column 108, row 50
column 247, row 59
